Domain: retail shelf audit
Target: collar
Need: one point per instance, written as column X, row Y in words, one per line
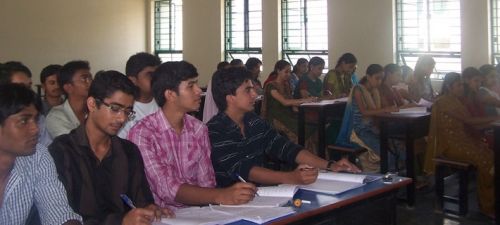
column 165, row 125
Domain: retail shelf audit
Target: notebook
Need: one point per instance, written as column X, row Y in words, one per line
column 271, row 196
column 336, row 183
column 411, row 110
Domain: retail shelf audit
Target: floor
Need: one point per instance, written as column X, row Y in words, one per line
column 424, row 213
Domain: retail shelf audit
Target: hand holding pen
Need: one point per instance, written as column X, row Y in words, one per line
column 143, row 215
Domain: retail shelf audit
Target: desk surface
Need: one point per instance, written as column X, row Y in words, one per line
column 321, row 203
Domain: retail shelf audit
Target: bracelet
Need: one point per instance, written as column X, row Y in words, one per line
column 330, row 163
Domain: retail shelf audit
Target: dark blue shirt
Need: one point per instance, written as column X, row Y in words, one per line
column 233, row 153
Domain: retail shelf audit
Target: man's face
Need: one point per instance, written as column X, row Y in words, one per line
column 244, row 98
column 188, row 98
column 80, row 84
column 110, row 114
column 143, row 80
column 51, row 87
column 21, row 78
column 19, row 133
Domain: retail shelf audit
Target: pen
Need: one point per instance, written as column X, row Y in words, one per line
column 127, row 201
column 244, row 181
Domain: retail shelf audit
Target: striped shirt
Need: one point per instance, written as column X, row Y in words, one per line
column 170, row 159
column 33, row 181
column 234, row 153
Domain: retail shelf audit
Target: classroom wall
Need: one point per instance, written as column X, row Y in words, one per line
column 39, row 33
column 107, row 32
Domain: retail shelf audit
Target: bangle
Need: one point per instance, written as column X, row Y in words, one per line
column 330, row 163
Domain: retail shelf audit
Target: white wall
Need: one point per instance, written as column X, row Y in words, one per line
column 104, row 32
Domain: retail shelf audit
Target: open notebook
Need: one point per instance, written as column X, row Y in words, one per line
column 271, row 196
column 210, row 215
column 335, row 183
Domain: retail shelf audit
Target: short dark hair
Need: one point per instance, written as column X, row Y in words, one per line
column 69, row 69
column 222, row 65
column 470, row 72
column 49, row 70
column 225, row 82
column 11, row 67
column 236, row 62
column 168, row 76
column 14, row 98
column 137, row 62
column 106, row 83
column 316, row 61
column 252, row 62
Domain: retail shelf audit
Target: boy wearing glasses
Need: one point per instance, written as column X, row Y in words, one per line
column 96, row 166
column 74, row 79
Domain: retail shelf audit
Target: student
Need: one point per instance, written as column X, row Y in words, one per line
column 18, row 73
column 338, row 82
column 449, row 137
column 365, row 101
column 74, row 80
column 175, row 145
column 487, row 94
column 96, row 166
column 253, row 65
column 236, row 63
column 241, row 140
column 299, row 69
column 309, row 84
column 139, row 69
column 391, row 95
column 279, row 106
column 472, row 81
column 52, row 93
column 420, row 85
column 209, row 107
column 28, row 178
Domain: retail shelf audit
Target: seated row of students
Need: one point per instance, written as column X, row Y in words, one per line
column 173, row 153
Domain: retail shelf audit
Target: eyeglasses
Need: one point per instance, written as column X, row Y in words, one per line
column 116, row 109
column 86, row 79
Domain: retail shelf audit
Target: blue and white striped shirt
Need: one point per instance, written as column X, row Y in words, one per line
column 34, row 181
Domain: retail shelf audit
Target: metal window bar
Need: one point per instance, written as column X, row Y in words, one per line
column 430, row 27
column 243, row 24
column 168, row 29
column 495, row 31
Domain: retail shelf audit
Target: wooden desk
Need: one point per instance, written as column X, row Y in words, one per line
column 416, row 126
column 334, row 109
column 373, row 204
column 496, row 160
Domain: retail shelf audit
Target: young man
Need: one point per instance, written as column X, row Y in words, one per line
column 175, row 146
column 52, row 93
column 97, row 167
column 28, row 178
column 241, row 140
column 139, row 69
column 74, row 79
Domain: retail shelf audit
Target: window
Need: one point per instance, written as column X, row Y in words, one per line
column 304, row 29
column 495, row 31
column 168, row 29
column 243, row 24
column 429, row 27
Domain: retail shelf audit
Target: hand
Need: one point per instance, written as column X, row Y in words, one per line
column 239, row 193
column 138, row 216
column 391, row 109
column 304, row 174
column 344, row 165
column 160, row 212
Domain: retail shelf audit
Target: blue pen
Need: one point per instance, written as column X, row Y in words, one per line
column 127, row 201
column 244, row 181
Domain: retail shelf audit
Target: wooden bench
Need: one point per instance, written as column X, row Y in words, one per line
column 458, row 169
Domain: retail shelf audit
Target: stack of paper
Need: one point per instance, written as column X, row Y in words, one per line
column 271, row 196
column 335, row 183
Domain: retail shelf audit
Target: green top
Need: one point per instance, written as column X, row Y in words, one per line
column 338, row 84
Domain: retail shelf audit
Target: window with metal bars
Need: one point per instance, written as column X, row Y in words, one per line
column 243, row 29
column 429, row 27
column 495, row 31
column 168, row 29
column 304, row 29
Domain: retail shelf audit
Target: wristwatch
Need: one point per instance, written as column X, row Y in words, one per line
column 329, row 165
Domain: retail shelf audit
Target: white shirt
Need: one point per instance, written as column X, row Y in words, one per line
column 209, row 109
column 61, row 120
column 141, row 110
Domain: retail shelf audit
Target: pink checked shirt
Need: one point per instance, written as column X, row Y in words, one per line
column 171, row 160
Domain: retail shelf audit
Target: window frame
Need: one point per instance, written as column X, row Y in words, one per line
column 170, row 53
column 495, row 31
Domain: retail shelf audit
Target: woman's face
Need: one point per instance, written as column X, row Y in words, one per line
column 347, row 68
column 457, row 88
column 302, row 69
column 285, row 72
column 394, row 78
column 375, row 80
column 474, row 83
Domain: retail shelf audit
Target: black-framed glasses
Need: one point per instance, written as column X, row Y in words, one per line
column 116, row 109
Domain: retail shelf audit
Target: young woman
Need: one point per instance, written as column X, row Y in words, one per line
column 449, row 137
column 279, row 107
column 420, row 84
column 487, row 94
column 299, row 69
column 338, row 83
column 309, row 84
column 390, row 94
